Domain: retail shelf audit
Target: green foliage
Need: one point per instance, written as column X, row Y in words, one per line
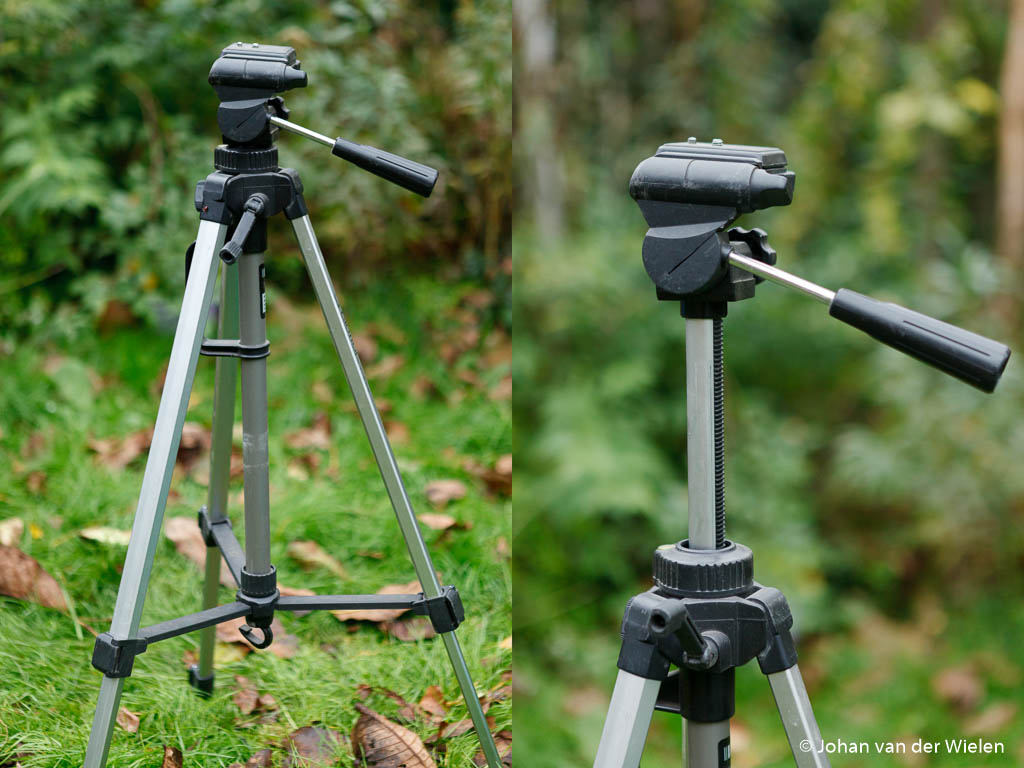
column 109, row 122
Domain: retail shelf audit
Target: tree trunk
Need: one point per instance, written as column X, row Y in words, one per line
column 1010, row 240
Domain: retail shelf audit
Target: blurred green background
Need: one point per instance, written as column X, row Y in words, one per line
column 884, row 499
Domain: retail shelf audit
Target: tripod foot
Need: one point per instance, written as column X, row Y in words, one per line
column 203, row 685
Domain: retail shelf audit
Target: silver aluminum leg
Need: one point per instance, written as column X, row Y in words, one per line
column 156, row 480
column 378, row 438
column 700, row 432
column 706, row 745
column 627, row 722
column 252, row 320
column 225, row 382
column 798, row 718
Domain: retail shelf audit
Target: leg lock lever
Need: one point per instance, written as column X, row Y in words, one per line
column 234, row 348
column 445, row 611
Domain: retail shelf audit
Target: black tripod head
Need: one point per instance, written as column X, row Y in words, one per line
column 690, row 192
column 248, row 78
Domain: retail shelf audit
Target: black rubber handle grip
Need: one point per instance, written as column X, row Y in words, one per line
column 411, row 175
column 967, row 356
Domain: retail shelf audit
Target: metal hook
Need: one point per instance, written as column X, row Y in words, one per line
column 247, row 633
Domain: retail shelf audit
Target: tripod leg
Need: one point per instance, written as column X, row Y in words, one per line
column 627, row 722
column 156, row 481
column 706, row 745
column 225, row 381
column 798, row 718
column 378, row 438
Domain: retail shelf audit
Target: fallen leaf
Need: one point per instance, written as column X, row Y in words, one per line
column 423, row 387
column 503, row 741
column 960, row 687
column 433, row 703
column 104, row 535
column 188, row 540
column 117, row 453
column 501, row 548
column 498, row 479
column 410, row 630
column 128, row 720
column 387, row 331
column 246, row 698
column 437, row 521
column 35, row 481
column 195, row 441
column 22, row 577
column 262, row 759
column 11, row 531
column 366, row 347
column 991, row 720
column 506, row 644
column 398, row 432
column 383, row 743
column 440, row 492
column 451, row 730
column 406, row 711
column 388, row 366
column 309, row 554
column 381, row 614
column 35, row 531
column 33, row 446
column 312, row 747
column 172, row 758
column 502, row 390
column 318, row 435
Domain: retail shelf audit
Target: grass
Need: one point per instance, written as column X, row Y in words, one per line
column 55, row 397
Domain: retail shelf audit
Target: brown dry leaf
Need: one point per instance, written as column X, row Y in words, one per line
column 312, row 747
column 35, row 481
column 366, row 347
column 33, row 446
column 398, row 432
column 501, row 548
column 262, row 759
column 497, row 479
column 506, row 644
column 424, row 387
column 247, row 698
column 23, row 577
column 991, row 720
column 437, row 521
column 406, row 711
column 172, row 758
column 117, row 453
column 382, row 614
column 184, row 533
column 502, row 390
column 318, row 435
column 128, row 720
column 451, row 730
column 383, row 743
column 433, row 704
column 410, row 630
column 960, row 687
column 284, row 646
column 11, row 531
column 105, row 535
column 503, row 741
column 388, row 332
column 440, row 492
column 195, row 441
column 388, row 366
column 309, row 554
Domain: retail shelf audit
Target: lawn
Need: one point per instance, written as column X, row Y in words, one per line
column 438, row 365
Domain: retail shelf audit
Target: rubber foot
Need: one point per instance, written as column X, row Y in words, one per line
column 202, row 685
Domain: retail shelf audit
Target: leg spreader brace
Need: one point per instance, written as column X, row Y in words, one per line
column 115, row 658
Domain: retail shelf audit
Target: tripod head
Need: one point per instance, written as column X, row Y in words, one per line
column 690, row 192
column 248, row 78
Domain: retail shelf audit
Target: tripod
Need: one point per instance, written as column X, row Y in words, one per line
column 706, row 615
column 237, row 199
